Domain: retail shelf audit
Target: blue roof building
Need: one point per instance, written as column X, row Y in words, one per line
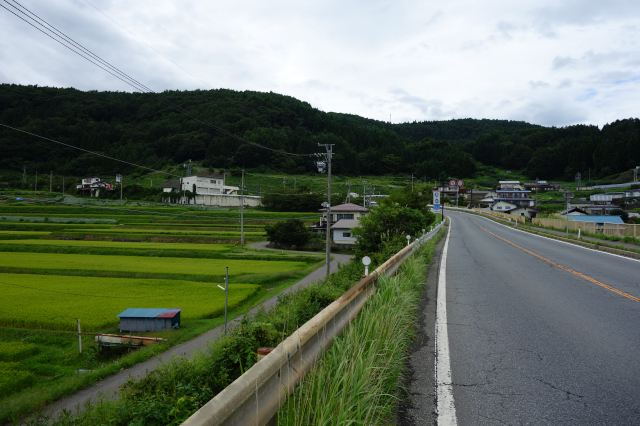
column 600, row 220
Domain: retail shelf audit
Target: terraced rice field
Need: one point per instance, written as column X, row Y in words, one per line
column 54, row 302
column 26, row 232
column 167, row 232
column 133, row 264
column 129, row 245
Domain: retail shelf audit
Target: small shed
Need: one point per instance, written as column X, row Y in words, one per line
column 135, row 319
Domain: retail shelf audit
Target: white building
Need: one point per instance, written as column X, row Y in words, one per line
column 341, row 231
column 210, row 190
column 93, row 186
column 207, row 185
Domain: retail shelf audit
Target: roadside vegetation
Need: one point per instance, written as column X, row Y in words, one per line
column 358, row 381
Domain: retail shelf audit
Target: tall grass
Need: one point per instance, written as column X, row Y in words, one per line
column 358, row 380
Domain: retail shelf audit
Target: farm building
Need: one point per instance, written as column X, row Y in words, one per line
column 133, row 319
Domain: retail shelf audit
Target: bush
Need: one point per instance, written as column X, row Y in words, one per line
column 290, row 232
column 386, row 228
column 619, row 212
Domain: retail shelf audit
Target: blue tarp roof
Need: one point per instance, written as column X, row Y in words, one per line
column 597, row 219
column 146, row 313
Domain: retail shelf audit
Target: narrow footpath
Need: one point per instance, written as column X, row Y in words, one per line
column 110, row 385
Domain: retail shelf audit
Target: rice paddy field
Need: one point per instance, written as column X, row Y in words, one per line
column 137, row 264
column 126, row 245
column 54, row 303
column 60, row 263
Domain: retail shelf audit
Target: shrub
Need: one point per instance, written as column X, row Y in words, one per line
column 386, row 227
column 290, row 232
column 619, row 212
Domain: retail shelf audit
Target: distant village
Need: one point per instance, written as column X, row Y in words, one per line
column 508, row 197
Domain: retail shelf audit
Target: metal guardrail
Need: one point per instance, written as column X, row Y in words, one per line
column 255, row 397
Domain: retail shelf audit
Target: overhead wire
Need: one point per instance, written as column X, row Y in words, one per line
column 53, row 34
column 176, row 64
column 86, row 150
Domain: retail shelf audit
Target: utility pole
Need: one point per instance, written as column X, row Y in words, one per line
column 411, row 182
column 50, row 180
column 348, row 200
column 364, row 194
column 242, row 211
column 329, row 148
column 284, row 182
column 24, row 175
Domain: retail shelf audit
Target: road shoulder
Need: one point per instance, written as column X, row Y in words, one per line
column 419, row 405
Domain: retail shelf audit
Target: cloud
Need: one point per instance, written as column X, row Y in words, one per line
column 537, row 84
column 566, row 83
column 433, row 108
column 529, row 60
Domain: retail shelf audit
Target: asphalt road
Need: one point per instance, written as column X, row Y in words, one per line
column 533, row 342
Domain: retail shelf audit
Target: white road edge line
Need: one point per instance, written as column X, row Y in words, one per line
column 445, row 405
column 553, row 239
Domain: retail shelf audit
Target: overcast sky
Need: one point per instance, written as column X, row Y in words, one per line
column 547, row 62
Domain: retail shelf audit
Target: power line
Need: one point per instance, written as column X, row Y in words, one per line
column 157, row 51
column 86, row 150
column 122, row 75
column 290, row 131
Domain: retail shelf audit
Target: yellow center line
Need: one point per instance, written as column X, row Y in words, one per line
column 615, row 290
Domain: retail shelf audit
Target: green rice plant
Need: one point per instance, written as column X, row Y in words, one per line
column 26, row 232
column 15, row 351
column 55, row 302
column 166, row 231
column 139, row 264
column 10, row 379
column 128, row 245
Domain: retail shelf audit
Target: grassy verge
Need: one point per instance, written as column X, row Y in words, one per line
column 358, row 380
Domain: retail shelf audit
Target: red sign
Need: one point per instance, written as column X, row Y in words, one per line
column 452, row 183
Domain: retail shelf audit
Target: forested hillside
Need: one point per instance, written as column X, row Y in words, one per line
column 140, row 128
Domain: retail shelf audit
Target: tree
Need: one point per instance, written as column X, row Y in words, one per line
column 386, row 227
column 619, row 212
column 288, row 232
